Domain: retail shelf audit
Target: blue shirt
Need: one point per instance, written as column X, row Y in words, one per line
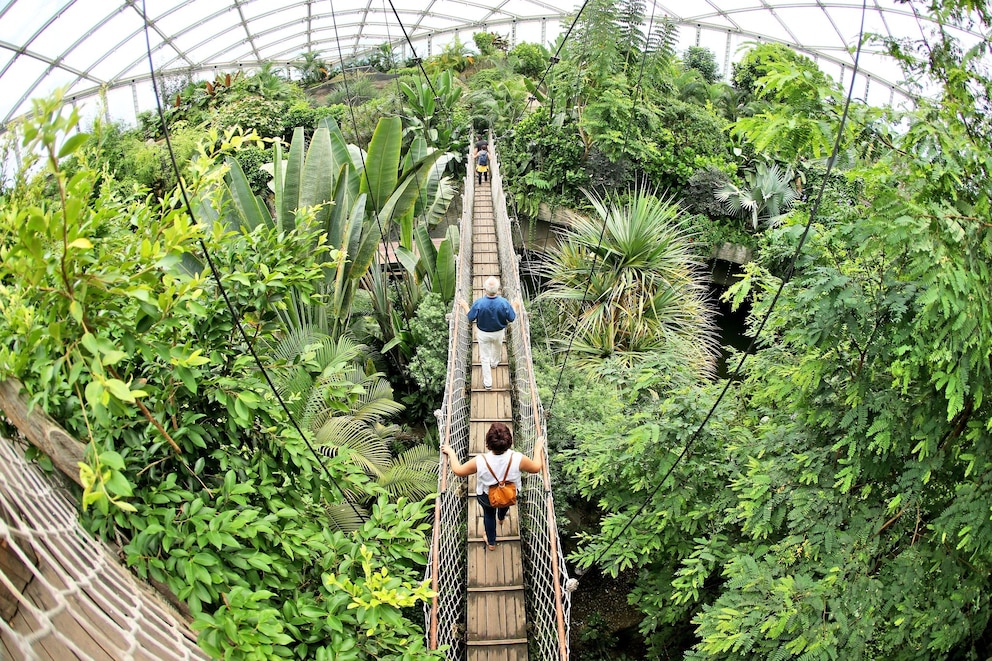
column 491, row 313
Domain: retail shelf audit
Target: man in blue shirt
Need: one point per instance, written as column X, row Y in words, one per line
column 491, row 314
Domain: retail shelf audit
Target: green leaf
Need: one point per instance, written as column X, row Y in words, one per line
column 120, row 390
column 383, row 161
column 72, row 144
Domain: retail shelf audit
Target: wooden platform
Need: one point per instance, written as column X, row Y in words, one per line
column 497, row 623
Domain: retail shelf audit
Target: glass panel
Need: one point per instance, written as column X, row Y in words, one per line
column 107, row 38
column 21, row 75
column 23, row 19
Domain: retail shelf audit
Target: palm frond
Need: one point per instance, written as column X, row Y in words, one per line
column 365, row 447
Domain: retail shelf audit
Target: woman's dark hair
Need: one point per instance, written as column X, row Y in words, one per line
column 499, row 438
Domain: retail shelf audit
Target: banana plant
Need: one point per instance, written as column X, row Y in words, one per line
column 355, row 198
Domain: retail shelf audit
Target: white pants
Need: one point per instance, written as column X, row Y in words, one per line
column 490, row 348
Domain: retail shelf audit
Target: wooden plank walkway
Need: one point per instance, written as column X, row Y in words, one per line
column 497, row 624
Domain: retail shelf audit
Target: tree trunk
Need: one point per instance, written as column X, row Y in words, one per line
column 41, row 430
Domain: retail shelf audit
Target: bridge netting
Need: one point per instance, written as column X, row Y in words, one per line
column 63, row 594
column 545, row 573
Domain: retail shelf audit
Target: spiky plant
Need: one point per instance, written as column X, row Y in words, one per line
column 631, row 283
column 330, row 394
column 766, row 197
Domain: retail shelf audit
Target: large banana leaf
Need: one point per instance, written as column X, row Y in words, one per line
column 293, row 183
column 428, row 254
column 318, row 175
column 444, row 281
column 339, row 146
column 250, row 207
column 383, row 161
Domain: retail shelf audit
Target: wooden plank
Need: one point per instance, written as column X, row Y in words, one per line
column 18, row 574
column 476, row 360
column 516, row 652
column 496, row 615
column 83, row 632
column 501, row 379
column 486, row 269
column 476, row 529
column 491, row 405
column 499, row 568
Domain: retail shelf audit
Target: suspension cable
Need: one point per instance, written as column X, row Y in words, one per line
column 785, row 280
column 220, row 285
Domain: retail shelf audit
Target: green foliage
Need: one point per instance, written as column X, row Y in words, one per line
column 702, row 60
column 836, row 506
column 303, row 114
column 484, row 42
column 429, row 111
column 757, row 62
column 430, row 359
column 383, row 59
column 352, row 90
column 191, row 465
column 251, row 159
column 766, row 197
column 453, row 57
column 252, row 113
column 542, row 155
column 700, row 192
column 529, row 59
column 312, row 69
column 630, row 282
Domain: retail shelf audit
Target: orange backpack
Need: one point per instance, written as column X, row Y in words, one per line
column 503, row 493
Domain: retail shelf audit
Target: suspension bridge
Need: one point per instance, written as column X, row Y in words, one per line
column 510, row 604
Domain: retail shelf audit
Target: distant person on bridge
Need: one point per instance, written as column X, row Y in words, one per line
column 491, row 314
column 482, row 164
column 499, row 439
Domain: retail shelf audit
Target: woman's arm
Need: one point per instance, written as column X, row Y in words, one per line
column 537, row 463
column 459, row 469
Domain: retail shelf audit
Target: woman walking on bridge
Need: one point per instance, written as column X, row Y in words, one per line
column 495, row 463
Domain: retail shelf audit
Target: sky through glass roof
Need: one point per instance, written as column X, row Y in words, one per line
column 89, row 45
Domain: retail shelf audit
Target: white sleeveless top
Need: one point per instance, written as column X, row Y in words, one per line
column 484, row 479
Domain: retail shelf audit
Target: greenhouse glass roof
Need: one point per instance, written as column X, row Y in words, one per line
column 93, row 45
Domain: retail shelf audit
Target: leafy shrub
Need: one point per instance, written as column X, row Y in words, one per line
column 251, row 159
column 430, row 360
column 700, row 192
column 252, row 113
column 191, row 464
column 529, row 59
column 702, row 60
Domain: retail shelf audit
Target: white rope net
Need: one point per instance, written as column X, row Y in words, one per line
column 545, row 573
column 63, row 594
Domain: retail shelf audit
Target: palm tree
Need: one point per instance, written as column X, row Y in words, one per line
column 765, row 198
column 631, row 284
column 331, row 395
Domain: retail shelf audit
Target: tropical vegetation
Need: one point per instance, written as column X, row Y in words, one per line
column 830, row 500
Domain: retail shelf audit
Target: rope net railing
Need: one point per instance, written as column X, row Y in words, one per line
column 63, row 594
column 545, row 572
column 448, row 559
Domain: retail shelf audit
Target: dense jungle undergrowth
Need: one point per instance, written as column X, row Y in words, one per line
column 835, row 506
